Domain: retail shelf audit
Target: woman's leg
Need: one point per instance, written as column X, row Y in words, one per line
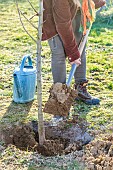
column 58, row 63
column 80, row 74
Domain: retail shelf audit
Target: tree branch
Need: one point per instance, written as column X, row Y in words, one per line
column 23, row 24
column 28, row 19
column 33, row 16
column 37, row 14
column 33, row 8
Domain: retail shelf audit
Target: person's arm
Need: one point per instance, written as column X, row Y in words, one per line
column 62, row 18
column 99, row 3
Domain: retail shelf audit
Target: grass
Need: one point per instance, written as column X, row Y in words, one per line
column 15, row 43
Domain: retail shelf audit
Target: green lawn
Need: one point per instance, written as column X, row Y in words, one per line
column 14, row 43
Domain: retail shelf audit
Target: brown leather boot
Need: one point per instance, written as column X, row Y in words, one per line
column 84, row 95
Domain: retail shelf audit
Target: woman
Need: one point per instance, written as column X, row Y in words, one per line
column 63, row 22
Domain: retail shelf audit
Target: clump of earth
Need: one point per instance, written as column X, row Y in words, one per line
column 60, row 100
column 99, row 153
column 68, row 136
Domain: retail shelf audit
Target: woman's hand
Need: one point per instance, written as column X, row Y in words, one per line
column 77, row 62
column 99, row 3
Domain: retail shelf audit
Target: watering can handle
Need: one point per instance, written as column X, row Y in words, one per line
column 81, row 47
column 24, row 60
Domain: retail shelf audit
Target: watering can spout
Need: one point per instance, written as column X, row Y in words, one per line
column 17, row 85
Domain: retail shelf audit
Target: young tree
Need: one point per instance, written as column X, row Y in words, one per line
column 41, row 129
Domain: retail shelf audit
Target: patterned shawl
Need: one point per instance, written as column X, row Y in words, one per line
column 88, row 14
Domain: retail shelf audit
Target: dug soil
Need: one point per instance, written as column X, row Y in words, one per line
column 99, row 153
column 63, row 138
column 68, row 137
column 60, row 100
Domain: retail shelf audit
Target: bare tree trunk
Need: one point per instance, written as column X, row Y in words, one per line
column 41, row 130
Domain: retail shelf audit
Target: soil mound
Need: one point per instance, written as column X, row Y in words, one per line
column 60, row 100
column 99, row 154
column 66, row 137
column 51, row 148
column 22, row 136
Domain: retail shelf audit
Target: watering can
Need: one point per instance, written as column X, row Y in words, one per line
column 24, row 84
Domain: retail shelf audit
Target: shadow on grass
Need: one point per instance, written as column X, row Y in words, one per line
column 16, row 112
